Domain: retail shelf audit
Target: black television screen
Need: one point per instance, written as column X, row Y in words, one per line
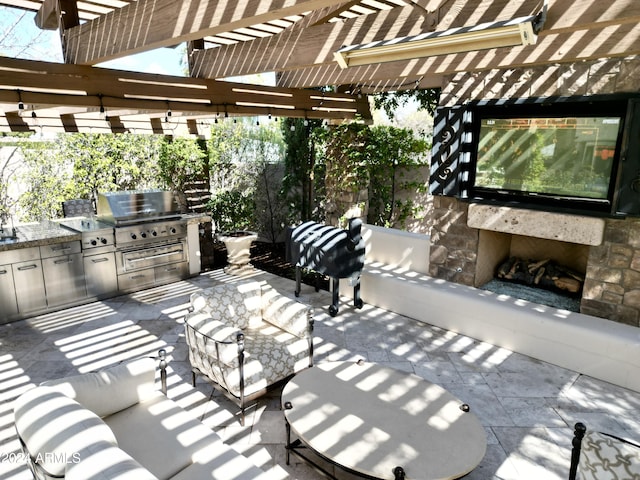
column 567, row 156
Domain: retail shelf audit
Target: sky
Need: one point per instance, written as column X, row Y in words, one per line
column 21, row 38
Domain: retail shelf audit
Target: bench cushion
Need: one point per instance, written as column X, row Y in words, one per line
column 221, row 463
column 55, row 428
column 162, row 436
column 102, row 461
column 112, row 389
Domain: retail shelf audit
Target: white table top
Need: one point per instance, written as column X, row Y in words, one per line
column 371, row 419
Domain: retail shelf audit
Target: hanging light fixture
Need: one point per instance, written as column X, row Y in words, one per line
column 20, row 103
column 167, row 116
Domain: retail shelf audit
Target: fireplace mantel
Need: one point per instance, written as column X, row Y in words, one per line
column 548, row 225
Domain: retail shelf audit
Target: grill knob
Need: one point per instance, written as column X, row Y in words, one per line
column 103, row 241
column 133, row 236
column 172, row 230
column 154, row 233
column 94, row 242
column 143, row 234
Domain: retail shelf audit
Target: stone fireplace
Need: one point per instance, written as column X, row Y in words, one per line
column 469, row 240
column 506, row 232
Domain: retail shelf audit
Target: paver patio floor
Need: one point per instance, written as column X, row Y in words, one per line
column 528, row 407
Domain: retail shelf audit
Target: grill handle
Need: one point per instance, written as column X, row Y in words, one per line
column 159, row 255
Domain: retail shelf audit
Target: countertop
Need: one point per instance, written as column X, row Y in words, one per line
column 46, row 232
column 49, row 232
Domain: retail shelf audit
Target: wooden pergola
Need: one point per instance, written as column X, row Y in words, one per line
column 296, row 39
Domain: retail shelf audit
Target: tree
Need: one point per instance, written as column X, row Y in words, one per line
column 20, row 38
column 371, row 167
column 180, row 160
column 390, row 101
column 80, row 166
column 299, row 161
column 105, row 162
column 246, row 173
column 393, row 154
column 46, row 178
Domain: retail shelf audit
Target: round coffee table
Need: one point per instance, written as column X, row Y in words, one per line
column 381, row 423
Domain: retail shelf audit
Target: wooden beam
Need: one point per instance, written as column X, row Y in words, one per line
column 149, row 24
column 53, row 84
column 610, row 41
column 303, row 46
column 305, row 57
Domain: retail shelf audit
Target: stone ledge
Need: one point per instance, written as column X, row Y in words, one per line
column 534, row 223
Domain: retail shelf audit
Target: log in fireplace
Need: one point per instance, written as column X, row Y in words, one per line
column 545, row 273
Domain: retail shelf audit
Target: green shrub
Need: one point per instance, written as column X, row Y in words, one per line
column 232, row 211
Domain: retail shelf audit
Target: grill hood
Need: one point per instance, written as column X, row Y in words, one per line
column 135, row 206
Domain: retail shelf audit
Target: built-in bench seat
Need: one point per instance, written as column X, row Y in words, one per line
column 395, row 278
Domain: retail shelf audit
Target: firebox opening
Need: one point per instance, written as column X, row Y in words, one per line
column 531, row 268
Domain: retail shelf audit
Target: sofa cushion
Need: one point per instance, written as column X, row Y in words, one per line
column 112, row 389
column 161, row 436
column 221, row 463
column 237, row 304
column 55, row 428
column 103, row 461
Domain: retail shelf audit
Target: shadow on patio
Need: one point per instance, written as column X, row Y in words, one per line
column 527, row 407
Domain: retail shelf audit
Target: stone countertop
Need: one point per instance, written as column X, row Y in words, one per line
column 196, row 218
column 36, row 234
column 48, row 232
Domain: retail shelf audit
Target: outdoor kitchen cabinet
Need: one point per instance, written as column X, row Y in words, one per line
column 28, row 280
column 8, row 302
column 100, row 274
column 63, row 272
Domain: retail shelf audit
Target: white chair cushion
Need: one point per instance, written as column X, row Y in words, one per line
column 55, row 428
column 271, row 355
column 604, row 457
column 112, row 389
column 201, row 324
column 237, row 304
column 161, row 436
column 285, row 312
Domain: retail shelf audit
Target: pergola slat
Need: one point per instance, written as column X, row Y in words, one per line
column 149, row 24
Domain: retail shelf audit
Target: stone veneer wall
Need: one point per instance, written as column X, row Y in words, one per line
column 454, row 245
column 612, row 286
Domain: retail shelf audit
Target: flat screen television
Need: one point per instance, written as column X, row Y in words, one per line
column 557, row 154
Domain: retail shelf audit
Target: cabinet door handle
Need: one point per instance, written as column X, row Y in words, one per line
column 99, row 260
column 63, row 260
column 61, row 249
column 28, row 267
column 3, row 272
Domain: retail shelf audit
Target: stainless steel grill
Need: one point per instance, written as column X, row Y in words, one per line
column 150, row 237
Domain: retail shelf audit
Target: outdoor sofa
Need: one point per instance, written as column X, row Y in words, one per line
column 115, row 424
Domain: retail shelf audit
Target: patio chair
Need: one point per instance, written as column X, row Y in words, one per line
column 247, row 338
column 600, row 456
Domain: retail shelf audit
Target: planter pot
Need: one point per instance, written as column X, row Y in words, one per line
column 238, row 251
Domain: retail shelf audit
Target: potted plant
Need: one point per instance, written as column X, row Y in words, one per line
column 232, row 213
